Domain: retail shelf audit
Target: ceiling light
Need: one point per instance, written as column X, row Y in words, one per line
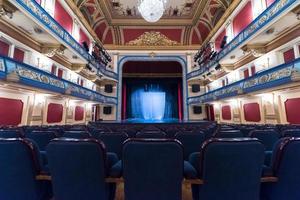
column 152, row 10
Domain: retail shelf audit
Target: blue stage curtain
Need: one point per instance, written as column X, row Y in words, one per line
column 152, row 99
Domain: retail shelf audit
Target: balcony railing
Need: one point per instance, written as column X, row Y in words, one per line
column 34, row 9
column 277, row 8
column 22, row 73
column 282, row 74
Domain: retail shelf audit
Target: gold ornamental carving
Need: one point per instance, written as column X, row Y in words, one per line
column 50, row 50
column 77, row 67
column 152, row 38
column 256, row 50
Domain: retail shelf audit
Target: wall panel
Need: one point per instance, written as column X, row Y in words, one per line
column 55, row 113
column 10, row 111
column 252, row 112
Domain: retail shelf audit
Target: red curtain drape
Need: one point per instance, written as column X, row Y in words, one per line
column 124, row 101
column 179, row 101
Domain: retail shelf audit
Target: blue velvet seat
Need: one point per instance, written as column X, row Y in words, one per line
column 230, row 168
column 229, row 134
column 41, row 138
column 152, row 169
column 78, row 168
column 113, row 142
column 151, row 134
column 77, row 134
column 285, row 166
column 191, row 142
column 20, row 164
column 9, row 133
column 291, row 133
column 268, row 137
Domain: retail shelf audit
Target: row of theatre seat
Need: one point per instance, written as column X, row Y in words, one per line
column 85, row 162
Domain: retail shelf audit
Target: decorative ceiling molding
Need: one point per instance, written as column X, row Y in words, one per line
column 202, row 13
column 152, row 39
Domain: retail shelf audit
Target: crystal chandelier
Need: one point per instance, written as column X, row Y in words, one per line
column 152, row 10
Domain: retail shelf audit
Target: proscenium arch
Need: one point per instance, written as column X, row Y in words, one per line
column 178, row 59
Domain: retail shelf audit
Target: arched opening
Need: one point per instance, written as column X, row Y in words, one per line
column 152, row 91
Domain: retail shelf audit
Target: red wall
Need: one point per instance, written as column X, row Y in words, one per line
column 243, row 19
column 289, row 55
column 60, row 73
column 226, row 112
column 62, row 17
column 252, row 112
column 4, row 48
column 219, row 39
column 55, row 113
column 19, row 55
column 83, row 37
column 253, row 70
column 10, row 111
column 292, row 110
column 79, row 113
column 269, row 2
column 246, row 73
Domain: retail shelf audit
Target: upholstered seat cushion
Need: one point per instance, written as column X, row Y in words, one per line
column 116, row 170
column 189, row 171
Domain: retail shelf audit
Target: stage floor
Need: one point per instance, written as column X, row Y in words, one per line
column 151, row 121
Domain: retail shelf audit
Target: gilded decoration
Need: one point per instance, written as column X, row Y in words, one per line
column 152, row 38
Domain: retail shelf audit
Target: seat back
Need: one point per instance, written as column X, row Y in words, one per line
column 8, row 133
column 113, row 142
column 191, row 142
column 155, row 134
column 41, row 138
column 230, row 134
column 77, row 134
column 231, row 169
column 291, row 133
column 78, row 168
column 19, row 166
column 285, row 165
column 152, row 169
column 267, row 137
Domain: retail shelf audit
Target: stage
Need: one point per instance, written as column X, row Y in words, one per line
column 152, row 121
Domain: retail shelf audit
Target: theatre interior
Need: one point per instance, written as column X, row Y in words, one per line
column 149, row 99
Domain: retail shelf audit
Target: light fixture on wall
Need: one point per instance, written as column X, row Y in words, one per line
column 152, row 10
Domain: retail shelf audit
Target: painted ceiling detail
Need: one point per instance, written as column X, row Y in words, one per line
column 174, row 8
column 152, row 39
column 186, row 22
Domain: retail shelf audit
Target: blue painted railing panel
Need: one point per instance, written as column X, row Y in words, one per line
column 277, row 8
column 31, row 76
column 35, row 10
column 282, row 74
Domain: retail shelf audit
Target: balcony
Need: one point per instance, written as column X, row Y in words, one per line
column 33, row 9
column 271, row 78
column 21, row 73
column 263, row 20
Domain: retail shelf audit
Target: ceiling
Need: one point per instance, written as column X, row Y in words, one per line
column 185, row 22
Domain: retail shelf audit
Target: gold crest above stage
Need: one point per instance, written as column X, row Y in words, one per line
column 152, row 38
